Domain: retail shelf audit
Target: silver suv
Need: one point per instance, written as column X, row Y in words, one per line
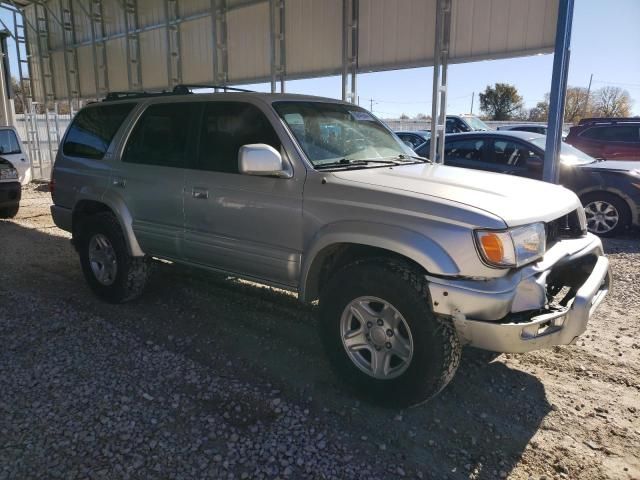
column 409, row 260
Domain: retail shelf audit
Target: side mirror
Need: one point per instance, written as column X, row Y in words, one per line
column 262, row 160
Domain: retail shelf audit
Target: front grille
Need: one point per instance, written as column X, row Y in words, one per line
column 567, row 226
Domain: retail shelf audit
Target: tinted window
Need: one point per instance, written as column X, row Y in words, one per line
column 93, row 129
column 8, row 142
column 471, row 149
column 507, row 152
column 161, row 136
column 227, row 126
column 412, row 140
column 614, row 133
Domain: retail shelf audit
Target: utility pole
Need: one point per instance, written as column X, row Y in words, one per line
column 371, row 105
column 473, row 96
column 586, row 102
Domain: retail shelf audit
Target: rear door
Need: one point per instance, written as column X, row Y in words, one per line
column 150, row 176
column 249, row 225
column 623, row 144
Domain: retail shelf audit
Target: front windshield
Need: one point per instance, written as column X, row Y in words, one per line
column 568, row 155
column 334, row 132
column 476, row 123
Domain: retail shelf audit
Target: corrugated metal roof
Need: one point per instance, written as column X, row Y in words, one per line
column 392, row 34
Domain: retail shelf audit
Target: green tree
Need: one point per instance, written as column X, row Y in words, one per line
column 501, row 102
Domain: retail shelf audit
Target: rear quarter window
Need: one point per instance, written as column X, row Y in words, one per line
column 93, row 129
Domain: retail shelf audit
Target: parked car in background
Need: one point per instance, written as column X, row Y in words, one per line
column 526, row 127
column 10, row 189
column 465, row 123
column 609, row 190
column 414, row 139
column 15, row 171
column 408, row 261
column 607, row 138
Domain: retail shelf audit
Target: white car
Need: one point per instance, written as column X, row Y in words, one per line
column 15, row 171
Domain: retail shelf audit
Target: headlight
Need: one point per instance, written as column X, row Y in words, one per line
column 513, row 247
column 8, row 174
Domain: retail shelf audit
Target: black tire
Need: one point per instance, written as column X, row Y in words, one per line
column 9, row 212
column 621, row 207
column 436, row 348
column 132, row 272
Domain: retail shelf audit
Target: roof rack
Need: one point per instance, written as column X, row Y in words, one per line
column 182, row 89
column 609, row 120
column 112, row 96
column 185, row 88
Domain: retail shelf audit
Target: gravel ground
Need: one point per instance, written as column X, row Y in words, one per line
column 210, row 377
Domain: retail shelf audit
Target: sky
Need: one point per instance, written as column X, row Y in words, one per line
column 605, row 40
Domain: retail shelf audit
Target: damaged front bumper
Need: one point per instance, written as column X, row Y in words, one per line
column 517, row 313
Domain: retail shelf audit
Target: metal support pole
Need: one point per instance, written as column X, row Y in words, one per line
column 561, row 56
column 134, row 67
column 174, row 62
column 439, row 96
column 219, row 31
column 350, row 15
column 277, row 47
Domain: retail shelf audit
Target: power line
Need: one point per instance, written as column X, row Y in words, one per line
column 618, row 83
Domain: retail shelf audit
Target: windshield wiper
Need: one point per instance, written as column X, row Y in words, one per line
column 405, row 157
column 346, row 163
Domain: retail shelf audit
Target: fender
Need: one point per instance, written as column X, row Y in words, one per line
column 410, row 244
column 119, row 208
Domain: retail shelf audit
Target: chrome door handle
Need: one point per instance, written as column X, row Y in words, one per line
column 119, row 182
column 200, row 193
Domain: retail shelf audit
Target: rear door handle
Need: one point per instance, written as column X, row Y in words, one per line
column 200, row 193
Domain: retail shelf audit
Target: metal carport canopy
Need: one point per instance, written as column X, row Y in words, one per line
column 84, row 48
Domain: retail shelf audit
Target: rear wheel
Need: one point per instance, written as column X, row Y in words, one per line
column 9, row 212
column 381, row 336
column 110, row 271
column 607, row 214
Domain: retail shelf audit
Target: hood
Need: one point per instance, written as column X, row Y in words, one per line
column 516, row 200
column 613, row 166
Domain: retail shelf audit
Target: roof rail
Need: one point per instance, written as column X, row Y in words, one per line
column 182, row 89
column 112, row 96
column 591, row 121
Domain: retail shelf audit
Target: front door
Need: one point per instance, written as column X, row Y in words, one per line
column 249, row 225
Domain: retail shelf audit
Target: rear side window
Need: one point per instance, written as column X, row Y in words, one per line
column 464, row 150
column 161, row 136
column 9, row 142
column 93, row 129
column 227, row 126
column 507, row 152
column 614, row 133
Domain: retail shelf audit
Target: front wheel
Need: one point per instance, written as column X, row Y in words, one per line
column 381, row 335
column 607, row 214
